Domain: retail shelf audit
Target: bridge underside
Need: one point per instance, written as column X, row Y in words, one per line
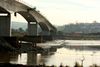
column 32, row 23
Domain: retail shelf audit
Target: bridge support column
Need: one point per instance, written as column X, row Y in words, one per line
column 32, row 28
column 5, row 24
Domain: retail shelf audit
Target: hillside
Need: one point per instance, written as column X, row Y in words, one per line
column 80, row 27
column 17, row 25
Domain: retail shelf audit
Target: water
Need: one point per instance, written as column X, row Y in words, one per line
column 65, row 55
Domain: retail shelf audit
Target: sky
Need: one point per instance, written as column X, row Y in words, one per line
column 60, row 12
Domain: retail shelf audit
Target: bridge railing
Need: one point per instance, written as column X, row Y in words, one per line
column 22, row 1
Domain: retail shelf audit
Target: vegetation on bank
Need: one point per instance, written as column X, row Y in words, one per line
column 20, row 65
column 18, row 32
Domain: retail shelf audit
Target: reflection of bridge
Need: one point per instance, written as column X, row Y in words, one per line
column 32, row 16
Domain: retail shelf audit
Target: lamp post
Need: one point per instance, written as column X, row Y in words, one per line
column 82, row 61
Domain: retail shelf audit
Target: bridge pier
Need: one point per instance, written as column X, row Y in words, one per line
column 5, row 24
column 32, row 28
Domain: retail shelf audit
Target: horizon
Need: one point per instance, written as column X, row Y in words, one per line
column 61, row 25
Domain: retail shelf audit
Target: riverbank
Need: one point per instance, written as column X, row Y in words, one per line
column 20, row 65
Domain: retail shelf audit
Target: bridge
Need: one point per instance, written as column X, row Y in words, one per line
column 32, row 16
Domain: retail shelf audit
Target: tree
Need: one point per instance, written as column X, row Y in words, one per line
column 21, row 30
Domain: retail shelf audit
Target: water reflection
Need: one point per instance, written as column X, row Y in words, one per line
column 8, row 57
column 63, row 56
column 4, row 57
column 22, row 58
column 33, row 58
column 39, row 59
column 69, row 57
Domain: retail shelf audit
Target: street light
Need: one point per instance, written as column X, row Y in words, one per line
column 82, row 60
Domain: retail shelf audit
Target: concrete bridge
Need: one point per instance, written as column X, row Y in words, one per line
column 32, row 16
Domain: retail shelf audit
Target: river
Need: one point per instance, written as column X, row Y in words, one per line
column 65, row 55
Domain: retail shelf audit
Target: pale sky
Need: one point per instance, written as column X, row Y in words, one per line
column 60, row 12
